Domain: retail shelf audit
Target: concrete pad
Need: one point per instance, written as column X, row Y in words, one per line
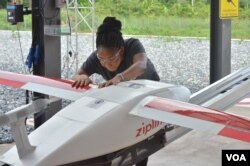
column 5, row 147
column 196, row 148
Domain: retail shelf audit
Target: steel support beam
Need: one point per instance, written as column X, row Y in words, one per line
column 220, row 44
column 49, row 64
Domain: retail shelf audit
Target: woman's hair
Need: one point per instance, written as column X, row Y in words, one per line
column 109, row 33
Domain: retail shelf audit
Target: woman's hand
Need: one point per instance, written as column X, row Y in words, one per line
column 114, row 81
column 81, row 81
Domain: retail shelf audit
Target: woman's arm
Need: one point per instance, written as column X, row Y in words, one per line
column 137, row 68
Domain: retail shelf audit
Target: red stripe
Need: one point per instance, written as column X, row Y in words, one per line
column 15, row 84
column 237, row 134
column 243, row 103
column 14, row 78
column 70, row 82
column 61, row 80
column 199, row 112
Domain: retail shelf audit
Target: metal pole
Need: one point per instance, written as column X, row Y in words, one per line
column 76, row 34
column 49, row 63
column 37, row 37
column 93, row 25
column 220, row 44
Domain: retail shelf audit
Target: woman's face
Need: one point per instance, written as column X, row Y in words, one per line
column 110, row 58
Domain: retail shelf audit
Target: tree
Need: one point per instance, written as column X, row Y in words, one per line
column 244, row 3
column 3, row 3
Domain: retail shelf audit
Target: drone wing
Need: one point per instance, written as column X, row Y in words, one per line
column 54, row 87
column 194, row 117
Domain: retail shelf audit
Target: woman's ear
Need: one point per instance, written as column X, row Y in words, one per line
column 122, row 51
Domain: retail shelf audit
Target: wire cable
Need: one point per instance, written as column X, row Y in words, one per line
column 71, row 52
column 45, row 17
column 67, row 10
column 21, row 49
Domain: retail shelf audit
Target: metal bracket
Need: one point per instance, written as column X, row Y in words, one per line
column 16, row 119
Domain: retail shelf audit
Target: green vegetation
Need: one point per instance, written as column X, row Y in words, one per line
column 156, row 17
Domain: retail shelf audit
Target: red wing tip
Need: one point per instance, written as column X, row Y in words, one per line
column 236, row 134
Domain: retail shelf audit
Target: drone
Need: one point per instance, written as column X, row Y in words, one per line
column 118, row 123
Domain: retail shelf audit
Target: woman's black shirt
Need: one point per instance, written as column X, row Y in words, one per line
column 131, row 47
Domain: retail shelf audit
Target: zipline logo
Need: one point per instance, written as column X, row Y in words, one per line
column 235, row 157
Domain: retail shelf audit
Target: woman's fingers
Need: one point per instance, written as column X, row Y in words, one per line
column 101, row 85
column 76, row 84
column 108, row 83
column 87, row 82
column 82, row 83
column 73, row 84
column 105, row 84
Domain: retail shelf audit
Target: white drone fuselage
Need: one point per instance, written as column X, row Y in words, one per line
column 96, row 124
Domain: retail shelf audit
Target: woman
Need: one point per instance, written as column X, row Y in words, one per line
column 115, row 59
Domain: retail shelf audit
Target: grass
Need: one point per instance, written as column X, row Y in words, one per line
column 159, row 26
column 241, row 29
column 171, row 26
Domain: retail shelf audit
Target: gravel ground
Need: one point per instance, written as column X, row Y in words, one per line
column 183, row 61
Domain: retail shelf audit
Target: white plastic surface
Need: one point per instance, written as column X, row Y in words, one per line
column 97, row 124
